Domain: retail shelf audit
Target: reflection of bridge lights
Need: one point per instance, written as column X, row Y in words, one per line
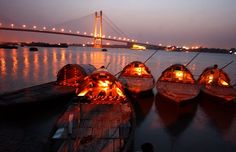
column 62, row 30
column 53, row 29
column 34, row 27
column 44, row 28
column 12, row 25
column 24, row 26
column 84, row 45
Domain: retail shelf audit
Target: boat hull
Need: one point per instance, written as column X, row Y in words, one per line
column 218, row 93
column 137, row 85
column 177, row 92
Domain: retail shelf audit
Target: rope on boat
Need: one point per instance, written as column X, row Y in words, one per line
column 192, row 59
column 227, row 65
column 150, row 56
column 108, row 65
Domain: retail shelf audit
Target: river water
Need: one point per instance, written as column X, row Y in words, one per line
column 206, row 126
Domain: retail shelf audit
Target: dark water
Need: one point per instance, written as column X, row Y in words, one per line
column 204, row 126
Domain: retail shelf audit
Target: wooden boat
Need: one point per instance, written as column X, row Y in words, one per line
column 137, row 78
column 104, row 123
column 104, row 50
column 215, row 83
column 177, row 84
column 33, row 49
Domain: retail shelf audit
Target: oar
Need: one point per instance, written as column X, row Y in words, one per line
column 150, row 56
column 192, row 59
column 143, row 62
column 227, row 64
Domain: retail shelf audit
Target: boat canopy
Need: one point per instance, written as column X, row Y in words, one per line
column 72, row 74
column 101, row 87
column 177, row 73
column 136, row 69
column 214, row 76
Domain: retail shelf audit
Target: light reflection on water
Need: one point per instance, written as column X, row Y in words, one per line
column 210, row 126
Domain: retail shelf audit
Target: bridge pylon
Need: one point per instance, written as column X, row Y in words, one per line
column 97, row 41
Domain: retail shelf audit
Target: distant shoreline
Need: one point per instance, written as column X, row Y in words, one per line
column 13, row 45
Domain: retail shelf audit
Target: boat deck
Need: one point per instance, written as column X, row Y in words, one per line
column 93, row 127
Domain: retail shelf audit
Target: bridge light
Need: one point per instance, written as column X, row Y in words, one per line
column 24, row 26
column 12, row 25
column 0, row 24
column 132, row 40
column 128, row 39
column 44, row 28
column 109, row 36
column 124, row 38
column 85, row 33
column 77, row 32
column 114, row 37
column 53, row 29
column 119, row 38
column 103, row 36
column 62, row 30
column 107, row 43
column 70, row 31
column 147, row 42
column 34, row 27
column 91, row 34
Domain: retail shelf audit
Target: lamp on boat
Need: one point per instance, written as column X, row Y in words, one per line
column 179, row 74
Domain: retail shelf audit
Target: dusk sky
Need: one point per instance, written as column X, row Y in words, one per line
column 210, row 23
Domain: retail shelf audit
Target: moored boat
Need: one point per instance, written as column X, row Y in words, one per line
column 33, row 49
column 216, row 84
column 137, row 78
column 177, row 84
column 105, row 122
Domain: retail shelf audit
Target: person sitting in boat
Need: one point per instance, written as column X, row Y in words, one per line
column 214, row 76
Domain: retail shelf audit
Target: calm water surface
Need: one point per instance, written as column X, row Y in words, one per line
column 204, row 127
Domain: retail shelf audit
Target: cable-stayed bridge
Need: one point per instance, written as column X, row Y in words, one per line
column 99, row 20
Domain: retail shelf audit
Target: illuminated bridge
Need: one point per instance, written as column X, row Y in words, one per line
column 97, row 34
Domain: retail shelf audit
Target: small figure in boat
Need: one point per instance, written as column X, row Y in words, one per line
column 215, row 75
